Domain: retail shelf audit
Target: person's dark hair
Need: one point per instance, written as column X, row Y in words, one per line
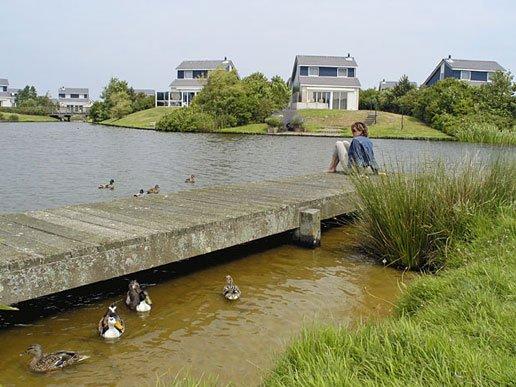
column 361, row 128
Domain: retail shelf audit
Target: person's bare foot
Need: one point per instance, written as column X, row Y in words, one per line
column 331, row 170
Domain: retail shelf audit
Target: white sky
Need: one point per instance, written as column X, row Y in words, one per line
column 82, row 44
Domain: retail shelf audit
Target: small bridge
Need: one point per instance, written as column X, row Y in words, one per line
column 67, row 115
column 44, row 252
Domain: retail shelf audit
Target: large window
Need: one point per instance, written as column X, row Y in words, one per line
column 313, row 71
column 464, row 74
column 74, row 95
column 340, row 100
column 62, row 95
column 320, row 96
column 342, row 72
column 188, row 74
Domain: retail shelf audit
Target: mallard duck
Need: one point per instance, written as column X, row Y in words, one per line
column 140, row 193
column 153, row 190
column 190, row 179
column 111, row 326
column 137, row 298
column 42, row 362
column 110, row 185
column 231, row 291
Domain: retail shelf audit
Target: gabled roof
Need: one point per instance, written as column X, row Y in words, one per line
column 73, row 90
column 4, row 82
column 204, row 64
column 474, row 65
column 329, row 81
column 384, row 85
column 193, row 82
column 330, row 61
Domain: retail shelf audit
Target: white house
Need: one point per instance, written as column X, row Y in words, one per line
column 7, row 95
column 191, row 78
column 324, row 82
column 74, row 100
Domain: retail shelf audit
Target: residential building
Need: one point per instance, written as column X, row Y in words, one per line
column 146, row 92
column 386, row 85
column 7, row 95
column 324, row 82
column 74, row 100
column 191, row 78
column 475, row 72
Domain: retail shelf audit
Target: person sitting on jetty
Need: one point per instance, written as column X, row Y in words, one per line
column 358, row 155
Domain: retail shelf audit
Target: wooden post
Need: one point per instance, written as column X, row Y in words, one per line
column 309, row 232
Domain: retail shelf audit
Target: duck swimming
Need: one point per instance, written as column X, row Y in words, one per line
column 137, row 299
column 111, row 326
column 110, row 185
column 42, row 362
column 140, row 193
column 190, row 179
column 153, row 190
column 231, row 291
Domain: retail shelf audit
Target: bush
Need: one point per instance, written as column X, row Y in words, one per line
column 186, row 119
column 296, row 122
column 274, row 121
column 411, row 220
column 14, row 117
column 1, row 116
column 477, row 128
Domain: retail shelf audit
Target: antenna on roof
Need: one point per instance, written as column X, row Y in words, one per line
column 449, row 56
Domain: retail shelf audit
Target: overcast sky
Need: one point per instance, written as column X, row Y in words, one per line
column 82, row 44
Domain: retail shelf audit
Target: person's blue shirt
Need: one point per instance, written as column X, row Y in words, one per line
column 361, row 153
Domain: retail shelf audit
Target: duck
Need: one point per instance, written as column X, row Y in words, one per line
column 43, row 362
column 140, row 193
column 111, row 326
column 190, row 179
column 110, row 185
column 137, row 298
column 231, row 291
column 153, row 190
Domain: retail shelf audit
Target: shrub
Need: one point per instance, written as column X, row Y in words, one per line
column 274, row 121
column 14, row 117
column 1, row 116
column 410, row 220
column 186, row 119
column 296, row 122
column 477, row 128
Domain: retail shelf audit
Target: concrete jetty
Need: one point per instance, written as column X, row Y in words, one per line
column 44, row 252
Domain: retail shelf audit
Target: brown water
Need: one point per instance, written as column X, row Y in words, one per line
column 192, row 328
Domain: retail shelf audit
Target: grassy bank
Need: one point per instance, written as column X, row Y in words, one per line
column 144, row 119
column 388, row 124
column 451, row 328
column 9, row 117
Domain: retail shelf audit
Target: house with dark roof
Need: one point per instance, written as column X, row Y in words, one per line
column 475, row 72
column 146, row 92
column 74, row 99
column 386, row 85
column 191, row 78
column 324, row 82
column 7, row 95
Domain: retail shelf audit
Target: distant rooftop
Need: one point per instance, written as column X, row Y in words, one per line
column 145, row 91
column 475, row 65
column 331, row 61
column 73, row 90
column 384, row 85
column 204, row 64
column 330, row 81
column 4, row 82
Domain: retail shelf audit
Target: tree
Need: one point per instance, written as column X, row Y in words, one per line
column 368, row 99
column 27, row 93
column 281, row 93
column 259, row 101
column 403, row 87
column 120, row 102
column 98, row 112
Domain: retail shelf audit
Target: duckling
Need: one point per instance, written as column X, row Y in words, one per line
column 190, row 179
column 153, row 190
column 140, row 193
column 110, row 185
column 231, row 291
column 42, row 362
column 137, row 298
column 111, row 326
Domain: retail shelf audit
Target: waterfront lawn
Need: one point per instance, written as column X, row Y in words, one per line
column 245, row 129
column 143, row 119
column 388, row 124
column 5, row 116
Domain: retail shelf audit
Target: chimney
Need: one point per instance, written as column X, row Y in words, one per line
column 449, row 56
column 225, row 58
column 348, row 55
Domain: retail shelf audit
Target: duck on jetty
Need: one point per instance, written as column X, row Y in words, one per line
column 42, row 362
column 137, row 298
column 153, row 190
column 231, row 291
column 111, row 326
column 110, row 185
column 190, row 179
column 140, row 193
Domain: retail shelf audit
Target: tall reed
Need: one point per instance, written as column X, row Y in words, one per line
column 409, row 220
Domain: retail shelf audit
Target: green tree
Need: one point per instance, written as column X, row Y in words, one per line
column 25, row 94
column 281, row 93
column 120, row 102
column 258, row 97
column 403, row 87
column 98, row 112
column 368, row 99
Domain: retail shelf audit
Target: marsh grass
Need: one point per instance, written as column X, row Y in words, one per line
column 412, row 220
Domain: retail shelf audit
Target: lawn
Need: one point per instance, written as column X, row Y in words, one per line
column 5, row 116
column 144, row 119
column 388, row 124
column 246, row 129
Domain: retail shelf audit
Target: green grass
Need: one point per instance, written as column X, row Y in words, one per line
column 144, row 119
column 388, row 124
column 246, row 129
column 485, row 133
column 4, row 116
column 455, row 328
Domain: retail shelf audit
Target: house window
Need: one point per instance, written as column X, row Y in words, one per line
column 62, row 95
column 4, row 88
column 464, row 74
column 313, row 71
column 188, row 74
column 85, row 95
column 74, row 95
column 490, row 77
column 320, row 97
column 342, row 72
column 340, row 100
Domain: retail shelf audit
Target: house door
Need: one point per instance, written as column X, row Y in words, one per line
column 188, row 97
